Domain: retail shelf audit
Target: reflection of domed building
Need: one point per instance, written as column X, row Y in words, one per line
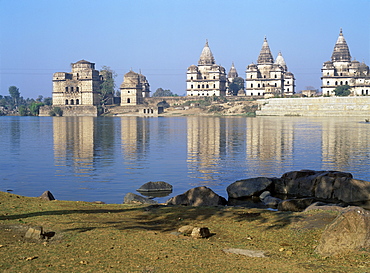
column 342, row 71
column 268, row 76
column 206, row 79
column 134, row 88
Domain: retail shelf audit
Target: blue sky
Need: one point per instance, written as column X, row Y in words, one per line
column 164, row 37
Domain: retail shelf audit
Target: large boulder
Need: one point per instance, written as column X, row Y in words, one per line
column 200, row 196
column 47, row 195
column 349, row 231
column 132, row 198
column 249, row 187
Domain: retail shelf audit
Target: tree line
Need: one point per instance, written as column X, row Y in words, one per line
column 14, row 103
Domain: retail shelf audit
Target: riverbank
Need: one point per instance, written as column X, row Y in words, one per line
column 92, row 237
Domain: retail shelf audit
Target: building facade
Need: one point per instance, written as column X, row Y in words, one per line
column 80, row 87
column 269, row 76
column 341, row 70
column 207, row 78
column 134, row 88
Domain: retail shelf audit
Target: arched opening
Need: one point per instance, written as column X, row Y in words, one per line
column 251, row 85
column 66, row 102
column 207, row 86
column 128, row 100
column 77, row 101
column 259, row 85
column 72, row 102
column 327, row 83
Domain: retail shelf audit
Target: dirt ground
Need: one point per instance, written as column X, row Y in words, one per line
column 88, row 237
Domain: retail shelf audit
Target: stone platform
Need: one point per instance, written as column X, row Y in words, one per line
column 315, row 107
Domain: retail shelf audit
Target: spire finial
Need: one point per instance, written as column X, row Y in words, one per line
column 340, row 32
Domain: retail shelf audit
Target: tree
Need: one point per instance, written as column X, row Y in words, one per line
column 107, row 86
column 23, row 111
column 48, row 101
column 35, row 107
column 236, row 85
column 160, row 92
column 14, row 93
column 342, row 90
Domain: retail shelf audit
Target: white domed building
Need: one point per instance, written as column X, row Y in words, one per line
column 206, row 79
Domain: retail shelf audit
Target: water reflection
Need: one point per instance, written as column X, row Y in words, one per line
column 135, row 137
column 206, row 142
column 74, row 143
column 192, row 151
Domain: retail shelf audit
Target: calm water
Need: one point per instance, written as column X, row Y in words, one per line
column 90, row 159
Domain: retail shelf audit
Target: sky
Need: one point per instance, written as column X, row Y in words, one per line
column 162, row 38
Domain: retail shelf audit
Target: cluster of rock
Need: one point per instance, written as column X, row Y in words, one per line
column 293, row 191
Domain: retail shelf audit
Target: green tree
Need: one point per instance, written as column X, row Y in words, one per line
column 160, row 92
column 236, row 85
column 342, row 90
column 14, row 93
column 107, row 86
column 57, row 111
column 23, row 111
column 48, row 101
column 35, row 107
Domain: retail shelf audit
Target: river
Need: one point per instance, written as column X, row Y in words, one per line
column 103, row 158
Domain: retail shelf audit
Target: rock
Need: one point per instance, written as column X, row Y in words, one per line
column 155, row 186
column 324, row 206
column 305, row 183
column 264, row 195
column 249, row 187
column 198, row 232
column 295, row 204
column 349, row 231
column 186, row 230
column 200, row 196
column 132, row 198
column 271, row 202
column 34, row 233
column 246, row 252
column 47, row 195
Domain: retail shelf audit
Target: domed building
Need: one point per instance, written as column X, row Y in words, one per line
column 206, row 79
column 341, row 70
column 80, row 87
column 269, row 77
column 131, row 89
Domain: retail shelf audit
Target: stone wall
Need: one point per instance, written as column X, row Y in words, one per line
column 71, row 111
column 318, row 107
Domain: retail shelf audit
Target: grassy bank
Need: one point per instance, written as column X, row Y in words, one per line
column 136, row 238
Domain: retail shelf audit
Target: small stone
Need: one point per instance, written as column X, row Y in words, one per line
column 289, row 252
column 245, row 252
column 34, row 233
column 281, row 249
column 198, row 233
column 31, row 258
column 186, row 229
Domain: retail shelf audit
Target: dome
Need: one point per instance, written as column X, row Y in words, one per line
column 280, row 61
column 193, row 68
column 265, row 56
column 232, row 73
column 206, row 57
column 341, row 50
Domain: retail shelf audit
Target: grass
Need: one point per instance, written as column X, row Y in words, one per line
column 137, row 238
